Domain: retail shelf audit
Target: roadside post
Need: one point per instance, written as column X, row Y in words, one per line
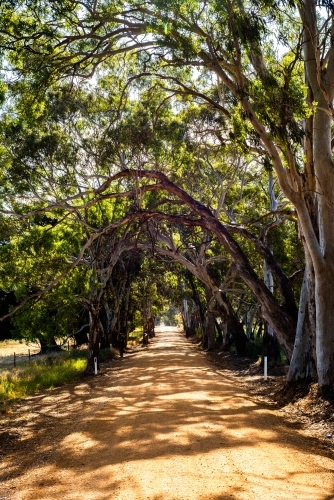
column 265, row 368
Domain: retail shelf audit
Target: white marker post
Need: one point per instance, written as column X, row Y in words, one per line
column 265, row 368
column 95, row 365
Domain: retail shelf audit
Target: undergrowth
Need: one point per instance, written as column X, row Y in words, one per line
column 135, row 336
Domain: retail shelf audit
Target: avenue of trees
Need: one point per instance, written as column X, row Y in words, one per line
column 192, row 139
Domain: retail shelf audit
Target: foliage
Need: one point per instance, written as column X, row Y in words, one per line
column 170, row 316
column 143, row 124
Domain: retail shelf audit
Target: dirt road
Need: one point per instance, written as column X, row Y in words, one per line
column 161, row 424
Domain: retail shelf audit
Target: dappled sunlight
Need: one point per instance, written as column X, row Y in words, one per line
column 165, row 425
column 78, row 441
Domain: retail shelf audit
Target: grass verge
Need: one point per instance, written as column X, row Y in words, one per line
column 42, row 374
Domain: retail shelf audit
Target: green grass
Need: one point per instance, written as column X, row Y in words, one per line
column 43, row 374
column 135, row 335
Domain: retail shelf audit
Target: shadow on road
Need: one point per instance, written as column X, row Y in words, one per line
column 162, row 424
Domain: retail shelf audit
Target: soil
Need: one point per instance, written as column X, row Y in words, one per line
column 164, row 423
column 299, row 401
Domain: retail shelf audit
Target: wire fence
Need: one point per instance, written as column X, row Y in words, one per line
column 14, row 358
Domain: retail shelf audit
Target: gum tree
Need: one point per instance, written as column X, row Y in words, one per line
column 272, row 64
column 261, row 91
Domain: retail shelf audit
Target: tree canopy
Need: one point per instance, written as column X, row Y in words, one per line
column 196, row 131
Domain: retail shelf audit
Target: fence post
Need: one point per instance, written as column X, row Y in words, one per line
column 14, row 360
column 29, row 354
column 68, row 345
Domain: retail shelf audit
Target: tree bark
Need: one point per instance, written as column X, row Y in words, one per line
column 320, row 80
column 303, row 362
column 235, row 328
column 94, row 339
column 270, row 345
column 324, row 294
column 196, row 299
column 210, row 328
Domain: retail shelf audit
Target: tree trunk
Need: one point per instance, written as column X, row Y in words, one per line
column 48, row 346
column 197, row 300
column 270, row 345
column 126, row 312
column 94, row 340
column 323, row 257
column 186, row 319
column 324, row 266
column 324, row 292
column 185, row 327
column 105, row 342
column 320, row 80
column 303, row 361
column 111, row 320
column 104, row 339
column 235, row 328
column 195, row 322
column 227, row 338
column 210, row 331
column 249, row 320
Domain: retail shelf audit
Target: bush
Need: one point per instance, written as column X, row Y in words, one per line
column 254, row 347
column 107, row 354
column 135, row 336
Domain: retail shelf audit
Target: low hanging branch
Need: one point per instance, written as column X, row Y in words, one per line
column 76, row 261
column 282, row 320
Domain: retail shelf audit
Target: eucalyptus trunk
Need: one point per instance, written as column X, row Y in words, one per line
column 319, row 237
column 303, row 362
column 210, row 327
column 324, row 295
column 234, row 328
column 94, row 339
column 210, row 331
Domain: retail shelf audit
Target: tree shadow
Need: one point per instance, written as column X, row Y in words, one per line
column 163, row 413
